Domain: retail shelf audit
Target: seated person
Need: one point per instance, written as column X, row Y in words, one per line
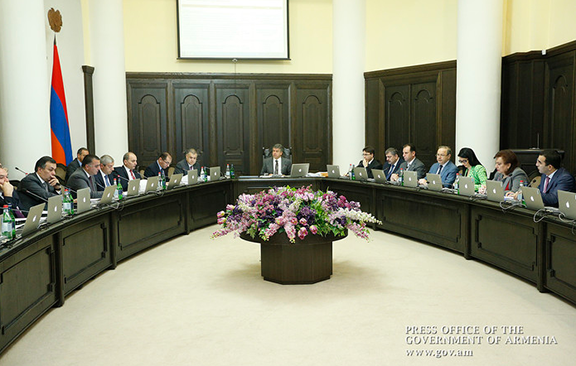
column 411, row 162
column 160, row 166
column 472, row 168
column 76, row 163
column 104, row 177
column 188, row 163
column 276, row 164
column 37, row 187
column 554, row 177
column 368, row 161
column 509, row 172
column 393, row 162
column 84, row 177
column 444, row 167
column 8, row 196
column 127, row 171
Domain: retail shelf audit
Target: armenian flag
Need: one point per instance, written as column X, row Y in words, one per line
column 61, row 145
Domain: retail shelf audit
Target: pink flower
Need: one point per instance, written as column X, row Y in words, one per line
column 302, row 233
column 303, row 221
column 313, row 229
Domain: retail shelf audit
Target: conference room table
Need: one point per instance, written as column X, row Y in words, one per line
column 38, row 271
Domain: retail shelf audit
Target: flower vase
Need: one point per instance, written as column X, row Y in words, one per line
column 306, row 261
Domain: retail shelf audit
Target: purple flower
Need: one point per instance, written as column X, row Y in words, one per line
column 302, row 233
column 313, row 229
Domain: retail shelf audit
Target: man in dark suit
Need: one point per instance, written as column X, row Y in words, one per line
column 84, row 177
column 8, row 196
column 104, row 177
column 411, row 162
column 37, row 187
column 368, row 161
column 554, row 177
column 393, row 162
column 444, row 166
column 276, row 164
column 76, row 163
column 160, row 166
column 127, row 171
column 188, row 163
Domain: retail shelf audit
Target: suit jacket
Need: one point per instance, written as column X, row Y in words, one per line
column 79, row 180
column 153, row 169
column 512, row 182
column 120, row 172
column 99, row 179
column 416, row 166
column 38, row 193
column 71, row 168
column 387, row 166
column 268, row 166
column 562, row 180
column 448, row 173
column 15, row 202
column 182, row 167
column 374, row 164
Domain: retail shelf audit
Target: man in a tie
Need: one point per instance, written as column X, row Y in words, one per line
column 127, row 172
column 444, row 167
column 160, row 166
column 554, row 177
column 277, row 164
column 188, row 163
column 8, row 196
column 411, row 162
column 393, row 161
column 37, row 187
column 84, row 177
column 104, row 177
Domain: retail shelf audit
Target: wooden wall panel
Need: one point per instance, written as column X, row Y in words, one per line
column 230, row 117
column 412, row 104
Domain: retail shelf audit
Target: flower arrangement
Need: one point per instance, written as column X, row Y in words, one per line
column 296, row 212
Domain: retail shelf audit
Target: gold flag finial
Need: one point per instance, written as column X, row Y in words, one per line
column 55, row 19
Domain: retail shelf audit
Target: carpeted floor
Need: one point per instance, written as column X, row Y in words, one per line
column 198, row 301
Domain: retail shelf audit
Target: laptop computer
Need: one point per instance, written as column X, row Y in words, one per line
column 533, row 200
column 434, row 182
column 299, row 170
column 33, row 219
column 192, row 176
column 174, row 182
column 214, row 173
column 466, row 186
column 411, row 179
column 83, row 200
column 333, row 171
column 151, row 184
column 379, row 176
column 494, row 191
column 360, row 173
column 54, row 209
column 133, row 187
column 567, row 204
column 107, row 195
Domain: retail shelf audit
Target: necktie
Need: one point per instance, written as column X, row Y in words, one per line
column 276, row 167
column 390, row 171
column 132, row 174
column 106, row 181
column 91, row 183
column 546, row 184
column 45, row 186
column 190, row 167
column 439, row 169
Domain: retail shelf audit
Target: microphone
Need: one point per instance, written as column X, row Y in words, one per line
column 20, row 170
column 119, row 176
column 24, row 190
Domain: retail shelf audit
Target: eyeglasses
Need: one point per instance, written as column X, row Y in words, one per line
column 440, row 155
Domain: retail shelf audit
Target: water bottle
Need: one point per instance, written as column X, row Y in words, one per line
column 116, row 190
column 67, row 203
column 350, row 171
column 457, row 184
column 119, row 190
column 227, row 171
column 401, row 177
column 352, row 175
column 232, row 173
column 520, row 196
column 8, row 224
